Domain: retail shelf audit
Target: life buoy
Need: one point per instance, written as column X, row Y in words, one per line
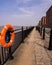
column 7, row 36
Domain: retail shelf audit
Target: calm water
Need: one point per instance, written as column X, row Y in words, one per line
column 20, row 27
column 15, row 27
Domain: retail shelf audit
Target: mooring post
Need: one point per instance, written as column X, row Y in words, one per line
column 10, row 54
column 50, row 42
column 43, row 33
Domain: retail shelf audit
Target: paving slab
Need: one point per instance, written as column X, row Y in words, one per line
column 32, row 52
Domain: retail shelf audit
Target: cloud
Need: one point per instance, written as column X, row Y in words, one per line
column 24, row 1
column 26, row 11
column 29, row 3
column 39, row 10
column 46, row 1
column 27, row 14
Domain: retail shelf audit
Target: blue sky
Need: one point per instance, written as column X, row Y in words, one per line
column 23, row 12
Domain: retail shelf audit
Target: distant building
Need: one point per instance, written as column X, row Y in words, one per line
column 39, row 23
column 49, row 17
column 43, row 21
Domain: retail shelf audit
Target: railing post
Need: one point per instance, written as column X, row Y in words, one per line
column 2, row 56
column 22, row 33
column 26, row 31
column 43, row 33
column 0, row 59
column 10, row 54
column 50, row 42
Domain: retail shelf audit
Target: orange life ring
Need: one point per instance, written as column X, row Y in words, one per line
column 3, row 36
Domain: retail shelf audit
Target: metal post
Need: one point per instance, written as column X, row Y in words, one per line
column 50, row 42
column 26, row 31
column 2, row 56
column 0, row 60
column 10, row 54
column 38, row 29
column 43, row 33
column 22, row 33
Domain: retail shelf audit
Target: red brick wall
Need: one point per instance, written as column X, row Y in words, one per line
column 43, row 21
column 49, row 17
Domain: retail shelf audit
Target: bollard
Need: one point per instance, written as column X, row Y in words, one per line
column 43, row 33
column 50, row 42
column 10, row 54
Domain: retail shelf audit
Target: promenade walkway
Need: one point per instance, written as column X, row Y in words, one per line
column 32, row 52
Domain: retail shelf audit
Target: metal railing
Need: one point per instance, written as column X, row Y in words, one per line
column 20, row 35
column 46, row 34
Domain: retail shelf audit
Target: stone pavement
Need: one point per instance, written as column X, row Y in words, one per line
column 32, row 52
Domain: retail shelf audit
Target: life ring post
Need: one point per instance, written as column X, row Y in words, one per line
column 10, row 54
